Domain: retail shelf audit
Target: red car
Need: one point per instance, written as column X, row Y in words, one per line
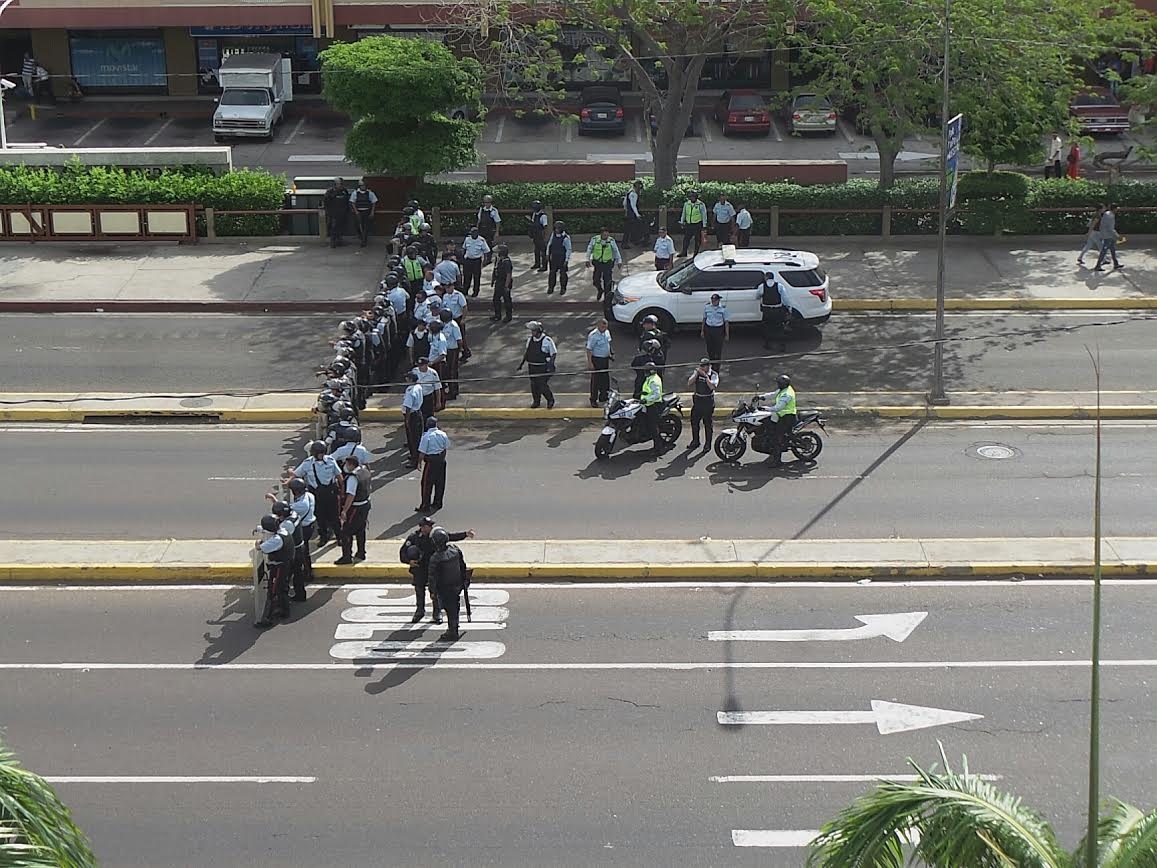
column 1097, row 111
column 743, row 111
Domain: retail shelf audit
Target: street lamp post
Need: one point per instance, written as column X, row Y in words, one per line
column 937, row 395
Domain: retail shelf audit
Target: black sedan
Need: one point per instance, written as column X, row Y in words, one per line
column 601, row 111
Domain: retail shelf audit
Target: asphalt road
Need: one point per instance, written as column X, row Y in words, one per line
column 592, row 738
column 222, row 352
column 881, row 480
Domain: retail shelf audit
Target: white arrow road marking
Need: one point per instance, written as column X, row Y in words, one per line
column 368, row 631
column 793, row 838
column 889, row 717
column 384, row 597
column 380, row 614
column 417, row 650
column 896, row 626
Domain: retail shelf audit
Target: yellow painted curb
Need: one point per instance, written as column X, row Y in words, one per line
column 898, row 305
column 39, row 414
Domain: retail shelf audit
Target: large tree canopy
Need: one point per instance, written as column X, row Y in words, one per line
column 400, row 93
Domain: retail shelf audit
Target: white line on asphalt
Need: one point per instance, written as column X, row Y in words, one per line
column 773, row 837
column 824, row 779
column 293, row 133
column 180, row 779
column 315, row 158
column 367, row 631
column 501, row 127
column 658, row 666
column 386, row 614
column 88, row 133
column 848, row 135
column 775, row 130
column 888, row 717
column 157, row 134
column 705, row 127
column 638, row 123
column 896, row 626
column 377, row 595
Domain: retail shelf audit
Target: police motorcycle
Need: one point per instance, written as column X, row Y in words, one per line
column 625, row 423
column 755, row 422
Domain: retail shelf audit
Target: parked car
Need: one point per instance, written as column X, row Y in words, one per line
column 810, row 113
column 742, row 111
column 601, row 110
column 1096, row 110
column 690, row 131
column 676, row 296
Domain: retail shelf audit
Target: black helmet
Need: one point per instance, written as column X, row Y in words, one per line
column 348, row 326
column 362, row 324
column 559, row 226
column 392, row 260
column 446, row 315
column 391, row 280
column 413, row 203
column 326, row 402
column 281, row 509
column 535, row 204
column 297, row 486
column 344, row 411
column 650, row 318
column 650, row 366
column 352, row 434
column 270, row 523
column 439, row 537
column 412, row 250
column 783, row 381
column 318, row 447
column 340, row 365
column 408, row 211
column 652, row 346
column 694, row 194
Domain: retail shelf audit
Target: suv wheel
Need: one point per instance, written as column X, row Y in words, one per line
column 666, row 321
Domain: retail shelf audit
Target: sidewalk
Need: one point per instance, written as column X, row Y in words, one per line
column 706, row 560
column 301, row 276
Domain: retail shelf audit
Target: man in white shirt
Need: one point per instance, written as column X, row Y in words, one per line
column 743, row 223
column 634, row 228
column 1053, row 160
column 475, row 251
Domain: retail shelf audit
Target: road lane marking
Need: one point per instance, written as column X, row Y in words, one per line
column 897, row 626
column 501, row 127
column 89, row 132
column 315, row 158
column 293, row 133
column 380, row 614
column 417, row 650
column 157, row 134
column 180, row 779
column 825, row 779
column 705, row 128
column 786, row 838
column 775, row 130
column 380, row 596
column 888, row 717
column 367, row 631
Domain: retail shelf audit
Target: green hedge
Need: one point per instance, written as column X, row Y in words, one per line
column 241, row 190
column 986, row 204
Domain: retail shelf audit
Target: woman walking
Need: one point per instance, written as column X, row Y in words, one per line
column 1093, row 238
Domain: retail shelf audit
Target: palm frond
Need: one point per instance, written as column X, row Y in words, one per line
column 1126, row 838
column 959, row 820
column 36, row 828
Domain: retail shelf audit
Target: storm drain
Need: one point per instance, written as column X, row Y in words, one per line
column 992, row 451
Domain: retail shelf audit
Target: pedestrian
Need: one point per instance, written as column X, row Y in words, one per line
column 337, row 208
column 1053, row 158
column 652, row 398
column 634, row 227
column 418, row 341
column 1074, row 161
column 1092, row 235
column 703, row 382
column 664, row 250
column 489, row 221
column 538, row 234
column 448, row 272
column 603, row 255
column 415, row 268
column 558, row 251
column 454, row 301
column 475, row 252
column 432, row 451
column 322, row 475
column 355, row 511
column 431, row 385
column 724, row 218
column 276, row 547
column 415, row 552
column 44, row 86
column 715, row 329
column 599, row 356
column 693, row 219
column 539, row 357
column 1109, row 238
column 453, row 335
column 774, row 314
column 449, row 576
column 503, row 282
column 413, row 419
column 364, row 203
column 28, row 74
column 743, row 224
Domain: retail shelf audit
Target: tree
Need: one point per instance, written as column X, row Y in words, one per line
column 662, row 45
column 401, row 93
column 36, row 829
column 951, row 820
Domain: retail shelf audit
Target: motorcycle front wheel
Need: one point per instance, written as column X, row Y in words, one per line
column 670, row 427
column 728, row 449
column 806, row 446
column 603, row 447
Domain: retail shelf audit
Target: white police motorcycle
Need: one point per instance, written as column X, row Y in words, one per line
column 626, row 423
column 755, row 422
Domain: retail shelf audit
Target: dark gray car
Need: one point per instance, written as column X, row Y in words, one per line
column 601, row 111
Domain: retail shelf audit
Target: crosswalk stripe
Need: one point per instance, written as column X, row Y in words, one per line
column 386, row 614
column 394, row 597
column 367, row 631
column 773, row 837
column 417, row 650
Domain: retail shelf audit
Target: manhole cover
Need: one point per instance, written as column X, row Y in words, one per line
column 995, row 452
column 196, row 402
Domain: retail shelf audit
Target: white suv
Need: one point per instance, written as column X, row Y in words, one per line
column 677, row 296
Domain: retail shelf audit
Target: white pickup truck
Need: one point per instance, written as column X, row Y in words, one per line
column 254, row 91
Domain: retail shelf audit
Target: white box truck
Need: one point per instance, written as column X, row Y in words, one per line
column 254, row 91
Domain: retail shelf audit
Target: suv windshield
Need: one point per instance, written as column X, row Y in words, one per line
column 673, row 278
column 245, row 96
column 803, row 279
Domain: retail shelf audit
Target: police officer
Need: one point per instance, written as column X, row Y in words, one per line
column 724, row 218
column 603, row 255
column 453, row 335
column 291, row 524
column 651, row 353
column 337, row 208
column 558, row 251
column 305, row 505
column 415, row 268
column 774, row 314
column 277, row 548
column 454, row 301
column 786, row 417
column 599, row 358
column 447, row 573
column 652, row 332
column 415, row 552
column 652, row 398
column 364, row 203
column 418, row 342
column 448, row 272
column 489, row 220
column 539, row 355
column 355, row 511
column 321, row 474
column 743, row 224
column 703, row 382
column 352, row 445
column 412, row 419
column 432, row 449
column 475, row 252
column 538, row 234
column 693, row 219
column 431, row 385
column 634, row 228
column 715, row 329
column 503, row 283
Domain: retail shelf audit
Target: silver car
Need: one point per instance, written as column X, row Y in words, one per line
column 810, row 113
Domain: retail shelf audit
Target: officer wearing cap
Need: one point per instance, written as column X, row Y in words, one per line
column 703, row 382
column 715, row 329
column 415, row 552
column 431, row 385
column 432, row 449
column 352, row 446
column 412, row 418
column 322, row 475
column 652, row 398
